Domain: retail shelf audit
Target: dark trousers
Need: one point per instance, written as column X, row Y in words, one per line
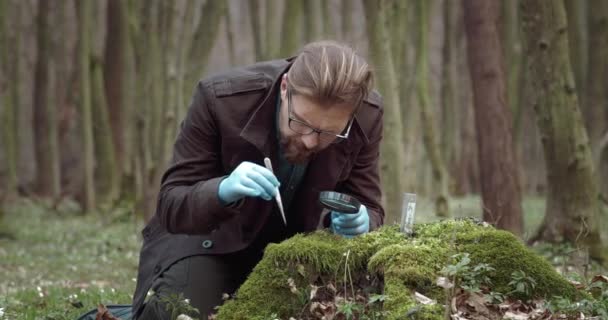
column 201, row 279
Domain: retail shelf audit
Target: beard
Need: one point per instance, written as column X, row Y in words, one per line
column 294, row 151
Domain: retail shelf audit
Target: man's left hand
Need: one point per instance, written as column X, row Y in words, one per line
column 350, row 225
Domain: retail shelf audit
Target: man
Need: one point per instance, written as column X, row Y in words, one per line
column 320, row 124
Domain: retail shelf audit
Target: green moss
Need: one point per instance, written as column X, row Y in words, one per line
column 406, row 264
column 506, row 254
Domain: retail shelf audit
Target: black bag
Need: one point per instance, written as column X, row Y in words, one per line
column 121, row 311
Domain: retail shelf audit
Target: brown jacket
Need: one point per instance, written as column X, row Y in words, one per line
column 231, row 119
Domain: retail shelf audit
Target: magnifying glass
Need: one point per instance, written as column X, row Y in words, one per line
column 339, row 202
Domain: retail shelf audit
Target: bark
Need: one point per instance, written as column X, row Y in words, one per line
column 576, row 12
column 8, row 68
column 327, row 22
column 204, row 40
column 115, row 81
column 596, row 102
column 572, row 209
column 272, row 36
column 256, row 29
column 229, row 33
column 107, row 179
column 312, row 28
column 448, row 98
column 183, row 48
column 346, row 25
column 290, row 35
column 597, row 84
column 429, row 132
column 513, row 61
column 500, row 189
column 392, row 147
column 45, row 125
column 84, row 48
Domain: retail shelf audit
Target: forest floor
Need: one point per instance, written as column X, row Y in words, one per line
column 59, row 264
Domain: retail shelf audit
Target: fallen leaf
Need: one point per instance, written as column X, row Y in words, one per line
column 600, row 278
column 104, row 314
column 424, row 299
column 444, row 283
column 516, row 316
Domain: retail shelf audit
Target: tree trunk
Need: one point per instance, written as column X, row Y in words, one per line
column 596, row 101
column 229, row 33
column 346, row 25
column 392, row 148
column 576, row 12
column 45, row 124
column 500, row 189
column 572, row 209
column 327, row 21
column 514, row 61
column 115, row 82
column 448, row 97
column 256, row 29
column 204, row 40
column 597, row 85
column 439, row 170
column 272, row 36
column 290, row 35
column 108, row 181
column 84, row 48
column 312, row 11
column 8, row 98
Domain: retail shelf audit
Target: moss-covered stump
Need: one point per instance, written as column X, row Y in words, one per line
column 384, row 262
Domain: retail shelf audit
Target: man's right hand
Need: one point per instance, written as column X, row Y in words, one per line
column 248, row 180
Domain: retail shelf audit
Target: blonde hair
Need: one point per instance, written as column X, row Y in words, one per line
column 330, row 73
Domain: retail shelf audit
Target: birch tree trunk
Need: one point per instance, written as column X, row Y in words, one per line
column 429, row 132
column 500, row 189
column 572, row 209
column 392, row 147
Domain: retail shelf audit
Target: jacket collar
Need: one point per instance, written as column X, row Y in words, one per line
column 260, row 129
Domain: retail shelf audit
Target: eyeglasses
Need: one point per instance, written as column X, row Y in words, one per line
column 303, row 128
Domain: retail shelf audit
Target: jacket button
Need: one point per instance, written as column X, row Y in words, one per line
column 207, row 244
column 157, row 268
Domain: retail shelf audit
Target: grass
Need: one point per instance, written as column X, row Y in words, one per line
column 60, row 265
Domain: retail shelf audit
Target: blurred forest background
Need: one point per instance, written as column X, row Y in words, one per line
column 497, row 99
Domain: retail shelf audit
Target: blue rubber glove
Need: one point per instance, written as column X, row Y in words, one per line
column 350, row 225
column 248, row 180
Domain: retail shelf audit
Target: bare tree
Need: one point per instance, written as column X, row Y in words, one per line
column 115, row 79
column 8, row 95
column 500, row 187
column 290, row 35
column 572, row 209
column 84, row 50
column 429, row 131
column 45, row 124
column 392, row 148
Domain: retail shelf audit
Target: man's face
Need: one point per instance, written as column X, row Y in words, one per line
column 306, row 116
